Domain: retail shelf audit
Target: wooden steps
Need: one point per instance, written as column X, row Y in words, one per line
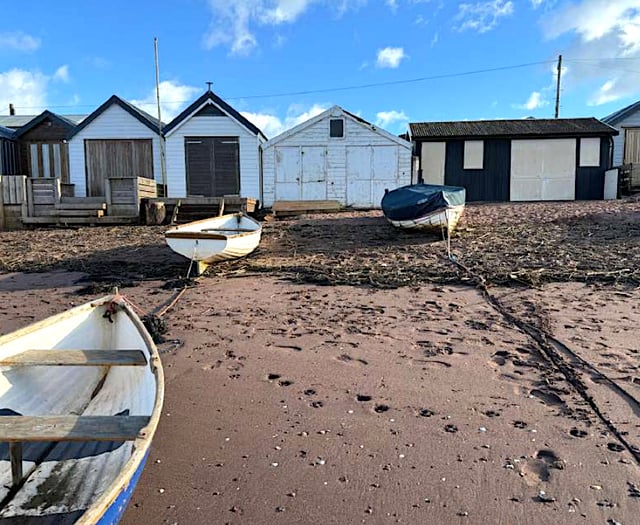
column 292, row 208
column 76, row 358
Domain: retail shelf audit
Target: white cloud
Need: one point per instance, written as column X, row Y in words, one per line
column 62, row 74
column 483, row 16
column 232, row 21
column 606, row 35
column 536, row 100
column 272, row 125
column 19, row 41
column 390, row 57
column 26, row 90
column 174, row 97
column 386, row 118
column 392, row 4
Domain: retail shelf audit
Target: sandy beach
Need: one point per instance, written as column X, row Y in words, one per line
column 350, row 373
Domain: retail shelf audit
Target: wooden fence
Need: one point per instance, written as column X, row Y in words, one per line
column 13, row 192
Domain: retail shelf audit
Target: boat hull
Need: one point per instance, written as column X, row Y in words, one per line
column 439, row 220
column 216, row 239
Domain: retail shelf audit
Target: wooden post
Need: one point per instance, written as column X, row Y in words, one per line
column 30, row 206
column 15, row 453
column 107, row 194
column 1, row 205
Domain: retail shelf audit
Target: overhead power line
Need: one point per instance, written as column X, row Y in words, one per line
column 345, row 88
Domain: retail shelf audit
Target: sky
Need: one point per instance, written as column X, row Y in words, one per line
column 280, row 62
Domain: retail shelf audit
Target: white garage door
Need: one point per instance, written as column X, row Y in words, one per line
column 543, row 169
column 370, row 170
column 301, row 173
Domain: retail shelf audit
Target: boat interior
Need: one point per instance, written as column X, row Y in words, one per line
column 76, row 390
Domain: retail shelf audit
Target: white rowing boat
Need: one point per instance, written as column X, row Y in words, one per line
column 80, row 399
column 215, row 239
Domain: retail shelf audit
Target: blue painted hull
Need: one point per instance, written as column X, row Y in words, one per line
column 115, row 511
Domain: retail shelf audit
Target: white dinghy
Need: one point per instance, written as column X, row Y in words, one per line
column 216, row 239
column 80, row 399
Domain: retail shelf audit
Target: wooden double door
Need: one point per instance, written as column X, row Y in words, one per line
column 116, row 158
column 212, row 166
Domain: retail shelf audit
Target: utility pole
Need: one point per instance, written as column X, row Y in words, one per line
column 558, row 85
column 163, row 166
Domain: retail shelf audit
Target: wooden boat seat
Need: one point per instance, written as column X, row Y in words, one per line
column 19, row 429
column 76, row 358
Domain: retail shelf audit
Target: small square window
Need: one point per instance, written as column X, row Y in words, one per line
column 336, row 128
column 473, row 155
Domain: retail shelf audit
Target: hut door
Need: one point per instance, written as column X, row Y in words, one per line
column 632, row 146
column 213, row 166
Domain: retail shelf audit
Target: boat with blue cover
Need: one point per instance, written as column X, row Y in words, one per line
column 424, row 206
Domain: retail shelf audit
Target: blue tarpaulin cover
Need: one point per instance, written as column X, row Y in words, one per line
column 417, row 200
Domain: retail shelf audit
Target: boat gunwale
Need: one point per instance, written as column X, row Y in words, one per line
column 142, row 444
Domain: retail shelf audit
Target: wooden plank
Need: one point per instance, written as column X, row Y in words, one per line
column 15, row 454
column 71, row 428
column 82, row 206
column 289, row 206
column 76, row 358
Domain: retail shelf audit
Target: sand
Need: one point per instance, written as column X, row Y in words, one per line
column 293, row 402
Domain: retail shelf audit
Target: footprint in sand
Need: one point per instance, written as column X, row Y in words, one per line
column 492, row 413
column 309, row 392
column 346, row 358
column 500, row 357
column 273, row 377
column 285, row 382
column 615, row 447
column 576, row 432
column 363, row 398
column 538, row 468
column 452, row 429
column 547, row 397
column 425, row 412
column 316, row 404
column 381, row 408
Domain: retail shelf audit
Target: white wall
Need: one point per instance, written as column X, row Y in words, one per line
column 209, row 126
column 113, row 123
column 543, row 169
column 632, row 121
column 356, row 135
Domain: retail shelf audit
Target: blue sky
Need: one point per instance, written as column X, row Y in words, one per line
column 280, row 61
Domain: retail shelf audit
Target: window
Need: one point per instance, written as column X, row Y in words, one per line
column 589, row 152
column 336, row 128
column 473, row 155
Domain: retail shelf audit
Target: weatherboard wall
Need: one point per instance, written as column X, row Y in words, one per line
column 113, row 123
column 213, row 126
column 590, row 179
column 631, row 121
column 358, row 167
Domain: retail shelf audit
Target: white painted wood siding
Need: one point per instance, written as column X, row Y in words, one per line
column 632, row 121
column 213, row 127
column 356, row 135
column 113, row 123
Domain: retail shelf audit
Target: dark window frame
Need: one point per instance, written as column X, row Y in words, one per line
column 333, row 131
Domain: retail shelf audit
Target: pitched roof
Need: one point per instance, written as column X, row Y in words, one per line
column 336, row 111
column 211, row 97
column 142, row 116
column 621, row 114
column 17, row 121
column 46, row 114
column 510, row 128
column 6, row 133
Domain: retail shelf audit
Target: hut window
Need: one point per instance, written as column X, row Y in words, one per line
column 336, row 128
column 473, row 155
column 589, row 152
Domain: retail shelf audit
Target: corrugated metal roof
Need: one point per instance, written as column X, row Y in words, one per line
column 17, row 121
column 621, row 114
column 507, row 128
